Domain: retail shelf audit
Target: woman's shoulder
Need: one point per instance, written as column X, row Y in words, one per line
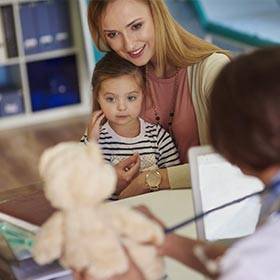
column 217, row 57
column 205, row 71
column 216, row 60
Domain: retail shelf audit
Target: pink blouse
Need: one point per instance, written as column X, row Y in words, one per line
column 184, row 124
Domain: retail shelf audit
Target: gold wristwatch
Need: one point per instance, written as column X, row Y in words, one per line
column 153, row 180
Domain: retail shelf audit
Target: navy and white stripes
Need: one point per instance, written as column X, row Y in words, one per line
column 154, row 145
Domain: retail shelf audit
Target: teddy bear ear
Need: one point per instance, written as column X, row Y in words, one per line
column 47, row 157
column 53, row 154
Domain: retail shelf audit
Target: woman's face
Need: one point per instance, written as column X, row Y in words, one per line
column 129, row 30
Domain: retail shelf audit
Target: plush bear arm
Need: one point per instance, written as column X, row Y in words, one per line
column 48, row 244
column 133, row 224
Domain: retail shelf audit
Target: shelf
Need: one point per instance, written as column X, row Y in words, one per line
column 50, row 54
column 9, row 61
column 54, row 80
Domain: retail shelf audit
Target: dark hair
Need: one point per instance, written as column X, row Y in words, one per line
column 113, row 66
column 245, row 110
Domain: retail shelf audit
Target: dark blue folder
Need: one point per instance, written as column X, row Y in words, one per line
column 60, row 23
column 43, row 23
column 28, row 25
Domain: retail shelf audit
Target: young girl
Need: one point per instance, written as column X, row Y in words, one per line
column 117, row 87
column 179, row 69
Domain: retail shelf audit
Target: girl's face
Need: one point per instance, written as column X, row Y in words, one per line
column 129, row 30
column 120, row 100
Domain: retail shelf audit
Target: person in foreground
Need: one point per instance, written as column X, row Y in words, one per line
column 179, row 70
column 117, row 88
column 245, row 129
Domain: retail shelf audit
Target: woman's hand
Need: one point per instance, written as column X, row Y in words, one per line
column 126, row 170
column 94, row 125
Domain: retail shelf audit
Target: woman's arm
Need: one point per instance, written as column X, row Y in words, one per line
column 201, row 77
column 138, row 185
column 174, row 177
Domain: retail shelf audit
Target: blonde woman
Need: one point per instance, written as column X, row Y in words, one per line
column 179, row 69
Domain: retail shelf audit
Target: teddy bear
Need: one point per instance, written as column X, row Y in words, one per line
column 88, row 233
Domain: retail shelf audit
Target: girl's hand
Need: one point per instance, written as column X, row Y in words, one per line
column 94, row 125
column 126, row 170
column 136, row 186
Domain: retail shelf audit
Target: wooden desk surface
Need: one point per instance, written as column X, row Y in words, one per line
column 26, row 203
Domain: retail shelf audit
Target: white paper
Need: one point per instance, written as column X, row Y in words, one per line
column 220, row 183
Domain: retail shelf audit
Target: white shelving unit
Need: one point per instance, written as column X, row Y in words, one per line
column 81, row 49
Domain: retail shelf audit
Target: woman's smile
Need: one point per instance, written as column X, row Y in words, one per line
column 137, row 53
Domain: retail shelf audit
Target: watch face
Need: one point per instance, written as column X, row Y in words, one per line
column 153, row 179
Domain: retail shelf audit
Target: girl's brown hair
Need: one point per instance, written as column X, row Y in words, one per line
column 112, row 66
column 173, row 43
column 245, row 110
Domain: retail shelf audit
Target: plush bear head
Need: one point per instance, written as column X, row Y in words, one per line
column 76, row 175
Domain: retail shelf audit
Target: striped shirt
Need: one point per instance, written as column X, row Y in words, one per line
column 154, row 145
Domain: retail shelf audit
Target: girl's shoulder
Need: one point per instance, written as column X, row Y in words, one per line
column 147, row 125
column 151, row 127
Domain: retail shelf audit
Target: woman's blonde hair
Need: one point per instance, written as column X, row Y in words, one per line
column 174, row 45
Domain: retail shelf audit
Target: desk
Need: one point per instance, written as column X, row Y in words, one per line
column 171, row 206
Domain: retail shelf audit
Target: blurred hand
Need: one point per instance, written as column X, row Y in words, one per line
column 126, row 170
column 147, row 212
column 94, row 125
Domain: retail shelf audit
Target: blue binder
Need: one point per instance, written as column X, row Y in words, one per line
column 11, row 102
column 29, row 32
column 43, row 23
column 60, row 23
